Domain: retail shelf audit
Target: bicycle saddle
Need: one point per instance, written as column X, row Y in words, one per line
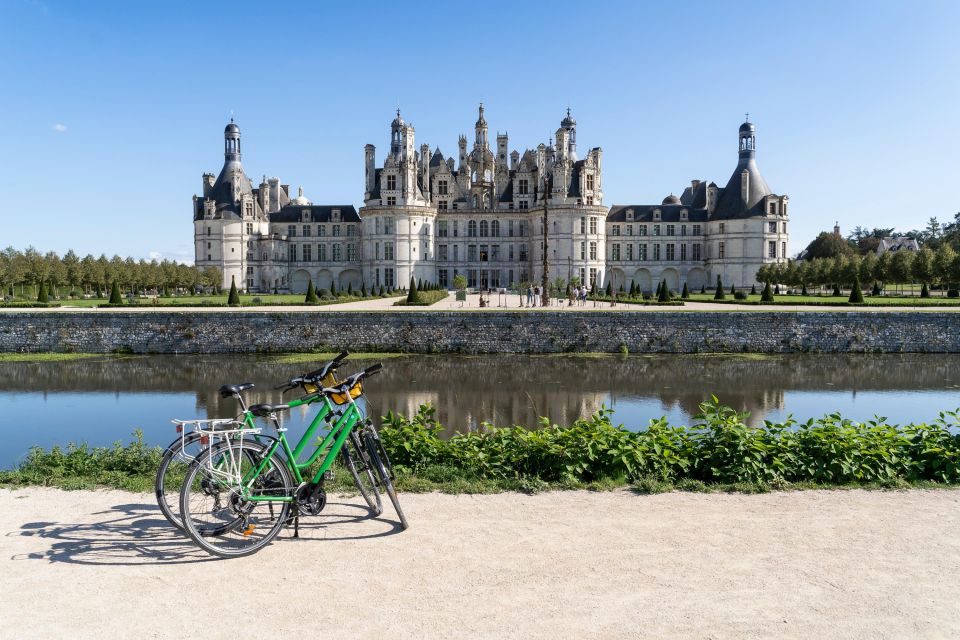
column 264, row 410
column 228, row 390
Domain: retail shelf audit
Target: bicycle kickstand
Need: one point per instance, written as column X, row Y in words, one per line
column 296, row 526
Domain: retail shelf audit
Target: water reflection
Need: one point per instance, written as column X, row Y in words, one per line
column 103, row 400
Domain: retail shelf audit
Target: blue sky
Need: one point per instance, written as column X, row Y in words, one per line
column 111, row 111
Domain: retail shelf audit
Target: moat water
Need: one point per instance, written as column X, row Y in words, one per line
column 100, row 401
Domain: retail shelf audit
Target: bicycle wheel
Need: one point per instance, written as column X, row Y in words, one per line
column 383, row 475
column 212, row 499
column 173, row 467
column 358, row 464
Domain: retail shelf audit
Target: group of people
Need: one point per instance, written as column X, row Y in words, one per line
column 577, row 296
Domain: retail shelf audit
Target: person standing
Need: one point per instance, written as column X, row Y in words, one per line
column 529, row 296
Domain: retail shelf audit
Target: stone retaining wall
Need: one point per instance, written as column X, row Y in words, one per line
column 481, row 332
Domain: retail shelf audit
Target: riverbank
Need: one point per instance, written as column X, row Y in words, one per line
column 486, row 331
column 570, row 564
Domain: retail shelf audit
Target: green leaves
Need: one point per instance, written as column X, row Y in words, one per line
column 718, row 448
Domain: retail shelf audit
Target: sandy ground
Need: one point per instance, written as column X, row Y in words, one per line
column 499, row 303
column 558, row 565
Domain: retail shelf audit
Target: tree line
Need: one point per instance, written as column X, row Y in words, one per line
column 926, row 266
column 70, row 274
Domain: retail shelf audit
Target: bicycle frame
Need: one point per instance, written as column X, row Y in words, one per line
column 330, row 445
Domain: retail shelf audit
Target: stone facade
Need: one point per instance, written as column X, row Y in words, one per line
column 481, row 332
column 481, row 214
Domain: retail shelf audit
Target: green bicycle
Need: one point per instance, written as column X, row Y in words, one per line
column 194, row 436
column 246, row 490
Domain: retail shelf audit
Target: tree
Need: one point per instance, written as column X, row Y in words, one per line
column 719, row 294
column 856, row 294
column 828, row 245
column 333, row 289
column 685, row 294
column 767, row 295
column 664, row 293
column 901, row 267
column 350, row 288
column 115, row 293
column 311, row 297
column 233, row 299
column 609, row 289
column 942, row 261
column 413, row 295
column 922, row 268
column 42, row 296
column 459, row 282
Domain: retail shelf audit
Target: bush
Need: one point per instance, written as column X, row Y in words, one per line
column 856, row 294
column 740, row 295
column 876, row 291
column 767, row 295
column 311, row 297
column 413, row 296
column 719, row 294
column 924, row 291
column 115, row 293
column 953, row 293
column 233, row 298
column 43, row 296
column 685, row 294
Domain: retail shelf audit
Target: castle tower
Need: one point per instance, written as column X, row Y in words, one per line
column 570, row 125
column 480, row 130
column 369, row 169
column 231, row 143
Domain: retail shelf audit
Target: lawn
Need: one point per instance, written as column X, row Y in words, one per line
column 251, row 300
column 883, row 301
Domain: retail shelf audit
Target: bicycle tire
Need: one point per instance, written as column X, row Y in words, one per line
column 163, row 484
column 380, row 468
column 235, row 539
column 370, row 494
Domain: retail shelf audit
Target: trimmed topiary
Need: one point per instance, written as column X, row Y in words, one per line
column 685, row 294
column 719, row 294
column 413, row 295
column 924, row 291
column 753, row 290
column 856, row 294
column 115, row 293
column 836, row 291
column 767, row 295
column 664, row 293
column 803, row 290
column 43, row 295
column 311, row 297
column 233, row 299
column 609, row 289
column 876, row 289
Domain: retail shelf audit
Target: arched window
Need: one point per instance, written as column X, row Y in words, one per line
column 495, row 228
column 472, row 228
column 484, row 230
column 476, row 203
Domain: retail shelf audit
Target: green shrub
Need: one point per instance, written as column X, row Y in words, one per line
column 233, row 298
column 311, row 297
column 685, row 294
column 856, row 294
column 43, row 295
column 924, row 291
column 413, row 296
column 740, row 295
column 115, row 297
column 767, row 295
column 718, row 294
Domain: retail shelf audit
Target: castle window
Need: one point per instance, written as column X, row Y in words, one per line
column 771, row 249
column 523, row 229
column 388, row 227
column 523, row 187
column 248, row 209
column 388, row 276
column 583, row 250
column 783, row 249
column 629, row 214
column 642, row 252
column 351, row 230
column 695, row 250
column 322, row 252
column 495, row 228
column 442, row 251
column 336, row 253
column 629, row 230
column 630, row 251
column 523, row 253
column 643, row 230
column 208, row 230
column 593, row 225
column 306, row 231
column 773, row 208
column 321, row 230
column 351, row 252
column 656, row 229
column 589, row 201
column 249, row 271
column 656, row 214
column 471, row 253
column 721, row 253
column 249, row 228
column 305, row 215
column 472, row 229
column 336, row 231
column 772, row 227
column 583, row 224
column 442, row 187
column 656, row 252
column 335, row 215
column 671, row 229
column 683, row 214
column 615, row 252
column 683, row 252
column 484, row 253
column 784, row 227
column 208, row 245
column 593, row 250
column 722, row 227
column 291, row 230
column 696, row 230
column 307, row 253
column 589, row 182
column 615, row 230
column 683, row 229
column 510, row 228
column 391, row 183
column 376, row 250
column 292, row 253
column 671, row 251
column 391, row 201
column 441, row 228
column 484, row 229
column 442, row 205
column 388, row 251
column 524, row 205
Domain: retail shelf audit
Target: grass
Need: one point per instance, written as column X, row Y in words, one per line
column 246, row 300
column 296, row 358
column 51, row 357
column 870, row 301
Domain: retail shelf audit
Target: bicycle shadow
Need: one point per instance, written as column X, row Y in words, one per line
column 137, row 534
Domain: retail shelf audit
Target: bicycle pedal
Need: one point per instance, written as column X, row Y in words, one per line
column 328, row 474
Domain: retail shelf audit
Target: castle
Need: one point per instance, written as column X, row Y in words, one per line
column 480, row 214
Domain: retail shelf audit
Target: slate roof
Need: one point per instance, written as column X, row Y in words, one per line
column 318, row 213
column 644, row 213
column 729, row 203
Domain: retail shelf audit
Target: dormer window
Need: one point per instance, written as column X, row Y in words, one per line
column 391, row 183
column 772, row 208
column 683, row 214
column 335, row 215
column 305, row 215
column 656, row 214
column 629, row 214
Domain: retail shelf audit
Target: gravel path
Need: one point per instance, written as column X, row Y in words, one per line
column 828, row 564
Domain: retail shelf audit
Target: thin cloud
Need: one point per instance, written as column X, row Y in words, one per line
column 60, row 127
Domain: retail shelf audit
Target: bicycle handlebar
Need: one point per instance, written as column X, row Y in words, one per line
column 314, row 376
